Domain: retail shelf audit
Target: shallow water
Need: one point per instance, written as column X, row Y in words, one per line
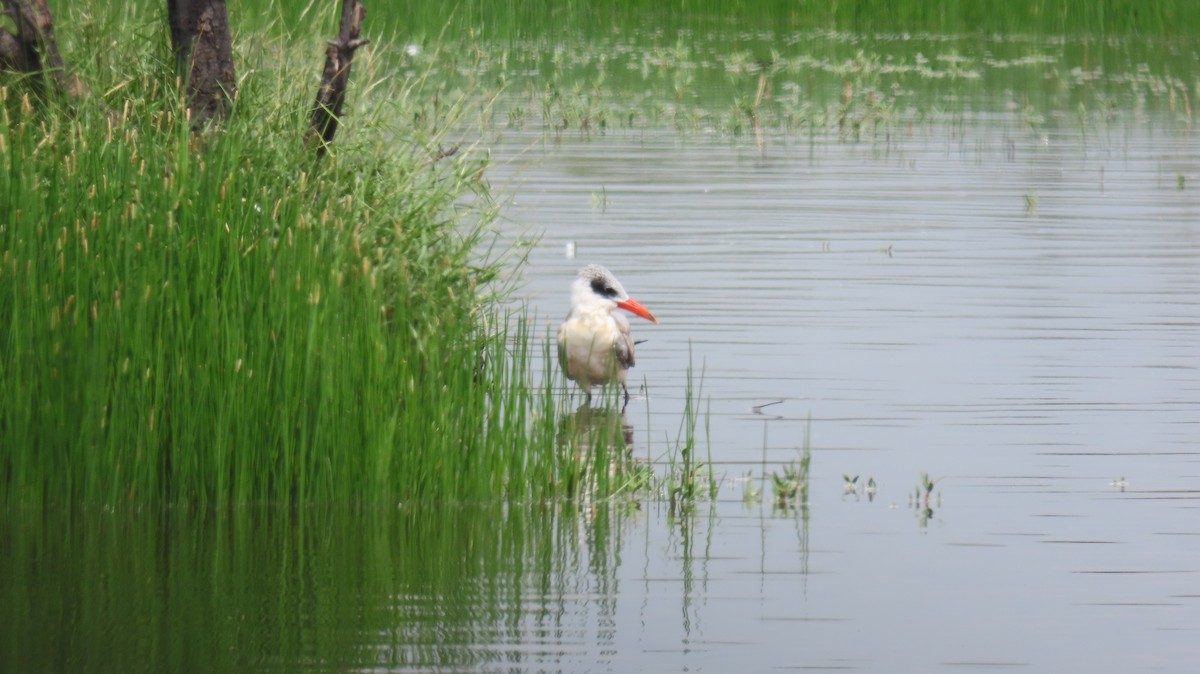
column 998, row 290
column 1012, row 309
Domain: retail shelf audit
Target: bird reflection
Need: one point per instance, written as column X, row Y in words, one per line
column 590, row 428
column 596, row 447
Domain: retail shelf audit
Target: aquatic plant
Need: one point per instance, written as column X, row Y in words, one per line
column 751, row 492
column 922, row 501
column 791, row 486
column 849, row 484
column 925, row 489
column 687, row 478
column 826, row 69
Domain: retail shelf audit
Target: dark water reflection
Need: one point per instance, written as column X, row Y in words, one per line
column 991, row 580
column 451, row 588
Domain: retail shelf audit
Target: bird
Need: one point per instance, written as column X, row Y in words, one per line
column 594, row 344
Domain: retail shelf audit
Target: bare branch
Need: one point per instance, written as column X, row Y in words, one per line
column 331, row 96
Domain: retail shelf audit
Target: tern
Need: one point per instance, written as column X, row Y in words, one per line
column 594, row 344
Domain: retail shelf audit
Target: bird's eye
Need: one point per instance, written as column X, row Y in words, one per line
column 603, row 289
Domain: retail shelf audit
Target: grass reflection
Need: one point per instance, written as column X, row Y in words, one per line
column 419, row 588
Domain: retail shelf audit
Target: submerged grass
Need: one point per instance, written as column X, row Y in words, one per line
column 855, row 70
column 216, row 319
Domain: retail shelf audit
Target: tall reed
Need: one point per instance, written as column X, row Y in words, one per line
column 217, row 319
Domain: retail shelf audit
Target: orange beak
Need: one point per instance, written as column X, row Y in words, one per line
column 633, row 306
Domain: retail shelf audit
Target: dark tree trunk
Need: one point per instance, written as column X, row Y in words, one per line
column 33, row 48
column 203, row 56
column 12, row 53
column 331, row 97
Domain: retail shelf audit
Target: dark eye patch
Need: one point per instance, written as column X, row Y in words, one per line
column 601, row 288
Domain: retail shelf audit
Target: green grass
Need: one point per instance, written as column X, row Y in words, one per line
column 219, row 319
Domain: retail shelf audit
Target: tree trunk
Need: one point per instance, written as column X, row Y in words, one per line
column 203, row 56
column 331, row 96
column 12, row 53
column 33, row 49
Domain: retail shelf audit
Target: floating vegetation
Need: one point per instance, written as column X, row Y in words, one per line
column 871, row 489
column 925, row 488
column 923, row 501
column 849, row 484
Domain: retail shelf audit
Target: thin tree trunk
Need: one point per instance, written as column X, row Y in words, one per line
column 331, row 96
column 33, row 49
column 204, row 56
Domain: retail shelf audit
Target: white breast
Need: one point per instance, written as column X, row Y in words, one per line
column 594, row 347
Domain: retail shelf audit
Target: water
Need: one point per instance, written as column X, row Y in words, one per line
column 1011, row 308
column 1013, row 311
column 941, row 299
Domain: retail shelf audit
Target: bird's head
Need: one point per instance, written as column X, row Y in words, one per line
column 596, row 287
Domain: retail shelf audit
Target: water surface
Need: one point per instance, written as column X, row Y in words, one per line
column 1012, row 310
column 1006, row 302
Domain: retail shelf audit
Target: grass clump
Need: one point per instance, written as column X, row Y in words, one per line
column 217, row 319
column 688, row 478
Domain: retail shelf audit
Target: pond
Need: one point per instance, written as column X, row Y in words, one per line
column 1008, row 306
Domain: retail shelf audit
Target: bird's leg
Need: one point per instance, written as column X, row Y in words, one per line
column 626, row 390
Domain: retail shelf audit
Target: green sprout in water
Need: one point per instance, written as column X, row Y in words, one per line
column 921, row 499
column 787, row 486
column 688, row 478
column 750, row 492
column 849, row 484
column 791, row 488
column 927, row 485
column 600, row 200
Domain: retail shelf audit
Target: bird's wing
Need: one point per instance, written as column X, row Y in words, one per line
column 623, row 344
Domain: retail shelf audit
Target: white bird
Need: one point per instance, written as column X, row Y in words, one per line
column 594, row 344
